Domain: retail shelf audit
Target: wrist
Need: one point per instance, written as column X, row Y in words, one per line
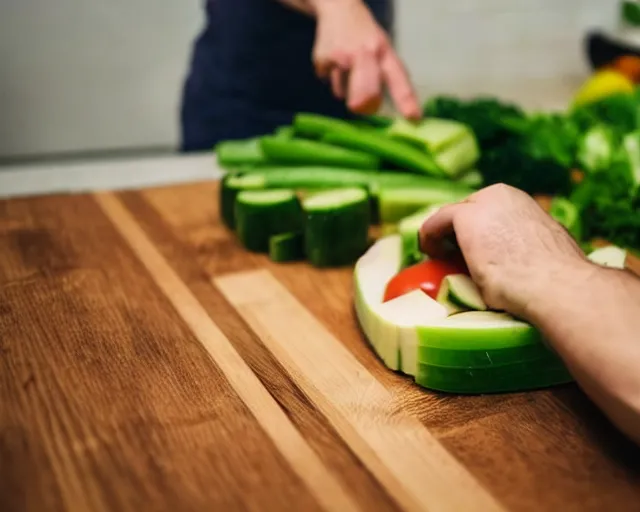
column 320, row 7
column 550, row 289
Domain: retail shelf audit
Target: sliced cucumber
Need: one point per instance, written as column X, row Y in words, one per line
column 396, row 203
column 260, row 214
column 460, row 290
column 230, row 153
column 231, row 185
column 286, row 247
column 479, row 330
column 408, row 228
column 296, row 151
column 337, row 226
column 515, row 377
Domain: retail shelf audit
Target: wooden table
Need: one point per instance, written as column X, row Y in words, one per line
column 149, row 363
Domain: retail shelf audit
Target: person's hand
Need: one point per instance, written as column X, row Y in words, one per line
column 516, row 253
column 355, row 54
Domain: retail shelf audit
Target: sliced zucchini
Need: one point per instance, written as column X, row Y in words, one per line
column 260, row 214
column 459, row 157
column 297, row 151
column 316, row 125
column 408, row 229
column 610, row 256
column 432, row 134
column 396, row 203
column 472, row 178
column 287, row 247
column 231, row 185
column 336, row 226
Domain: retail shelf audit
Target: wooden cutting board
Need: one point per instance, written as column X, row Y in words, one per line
column 149, row 363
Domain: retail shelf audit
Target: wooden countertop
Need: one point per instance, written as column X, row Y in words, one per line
column 149, row 363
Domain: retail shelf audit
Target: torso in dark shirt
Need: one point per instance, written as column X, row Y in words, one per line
column 251, row 70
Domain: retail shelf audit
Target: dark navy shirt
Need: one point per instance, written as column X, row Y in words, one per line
column 251, row 71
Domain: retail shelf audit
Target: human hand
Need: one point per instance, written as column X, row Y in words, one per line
column 514, row 250
column 354, row 52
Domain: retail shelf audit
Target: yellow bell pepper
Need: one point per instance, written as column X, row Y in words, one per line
column 601, row 84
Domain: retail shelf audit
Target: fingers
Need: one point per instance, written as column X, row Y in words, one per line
column 365, row 88
column 399, row 85
column 437, row 233
column 338, row 83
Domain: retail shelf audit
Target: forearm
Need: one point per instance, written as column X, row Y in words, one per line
column 591, row 317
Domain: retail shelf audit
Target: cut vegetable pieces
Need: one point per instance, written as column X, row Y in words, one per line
column 231, row 185
column 336, row 226
column 286, row 247
column 479, row 330
column 515, row 377
column 231, row 153
column 432, row 134
column 295, row 151
column 388, row 149
column 460, row 290
column 395, row 204
column 408, row 229
column 459, row 157
column 260, row 214
column 316, row 125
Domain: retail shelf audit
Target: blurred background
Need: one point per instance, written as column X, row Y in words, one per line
column 97, row 78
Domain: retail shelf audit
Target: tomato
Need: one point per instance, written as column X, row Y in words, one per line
column 426, row 276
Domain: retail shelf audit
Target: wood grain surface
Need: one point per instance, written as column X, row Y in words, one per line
column 147, row 362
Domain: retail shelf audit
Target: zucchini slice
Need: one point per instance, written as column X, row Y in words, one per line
column 460, row 290
column 231, row 185
column 230, row 153
column 286, row 247
column 336, row 226
column 396, row 203
column 260, row 214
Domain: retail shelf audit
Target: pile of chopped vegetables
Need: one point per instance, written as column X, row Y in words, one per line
column 585, row 161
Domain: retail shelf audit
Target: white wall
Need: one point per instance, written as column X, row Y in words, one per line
column 80, row 75
column 529, row 49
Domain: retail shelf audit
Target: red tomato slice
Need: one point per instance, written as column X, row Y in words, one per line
column 426, row 276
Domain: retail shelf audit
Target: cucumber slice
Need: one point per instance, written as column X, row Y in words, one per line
column 388, row 149
column 454, row 358
column 230, row 153
column 309, row 152
column 432, row 134
column 460, row 290
column 479, row 330
column 231, row 185
column 408, row 228
column 515, row 377
column 337, row 226
column 610, row 256
column 396, row 203
column 260, row 214
column 286, row 247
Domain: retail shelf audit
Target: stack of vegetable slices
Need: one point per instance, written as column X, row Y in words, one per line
column 451, row 343
column 312, row 190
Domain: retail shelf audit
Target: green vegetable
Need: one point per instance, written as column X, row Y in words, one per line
column 231, row 185
column 459, row 157
column 239, row 152
column 431, row 135
column 260, row 214
column 472, row 178
column 315, row 125
column 336, row 227
column 309, row 152
column 285, row 132
column 397, row 203
column 286, row 247
column 567, row 214
column 408, row 228
column 388, row 149
column 597, row 148
column 461, row 291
